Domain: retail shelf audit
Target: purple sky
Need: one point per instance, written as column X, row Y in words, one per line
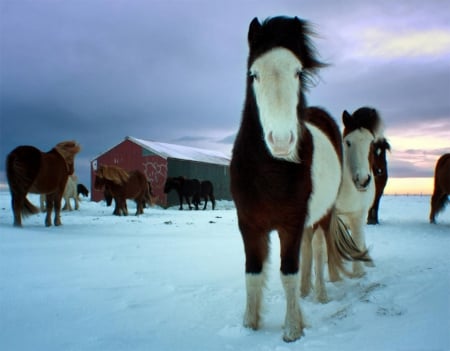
column 174, row 71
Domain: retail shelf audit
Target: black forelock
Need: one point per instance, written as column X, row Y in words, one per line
column 291, row 33
column 368, row 118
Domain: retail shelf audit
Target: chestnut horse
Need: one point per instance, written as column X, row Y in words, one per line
column 380, row 173
column 355, row 196
column 439, row 199
column 29, row 170
column 286, row 165
column 123, row 185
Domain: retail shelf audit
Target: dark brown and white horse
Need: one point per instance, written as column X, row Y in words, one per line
column 380, row 173
column 29, row 170
column 441, row 191
column 286, row 165
column 355, row 196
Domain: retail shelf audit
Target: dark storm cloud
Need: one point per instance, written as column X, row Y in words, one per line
column 97, row 71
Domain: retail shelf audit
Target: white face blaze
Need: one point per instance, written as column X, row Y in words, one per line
column 276, row 85
column 356, row 157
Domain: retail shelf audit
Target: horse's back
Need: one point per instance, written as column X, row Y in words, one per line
column 322, row 120
column 326, row 169
column 53, row 174
column 22, row 167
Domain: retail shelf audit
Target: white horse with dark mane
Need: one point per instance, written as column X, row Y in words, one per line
column 355, row 197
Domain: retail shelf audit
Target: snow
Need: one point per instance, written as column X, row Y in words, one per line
column 174, row 280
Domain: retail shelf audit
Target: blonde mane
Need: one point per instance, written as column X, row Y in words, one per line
column 68, row 150
column 114, row 174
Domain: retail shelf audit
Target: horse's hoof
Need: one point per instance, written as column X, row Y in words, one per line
column 292, row 335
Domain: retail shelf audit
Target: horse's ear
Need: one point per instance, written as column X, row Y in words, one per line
column 347, row 119
column 253, row 31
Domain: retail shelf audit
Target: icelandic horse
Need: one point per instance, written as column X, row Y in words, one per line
column 29, row 170
column 441, row 191
column 355, row 197
column 123, row 185
column 286, row 165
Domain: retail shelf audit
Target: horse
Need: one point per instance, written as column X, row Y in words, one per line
column 380, row 172
column 185, row 188
column 207, row 192
column 82, row 190
column 286, row 165
column 355, row 196
column 109, row 198
column 70, row 191
column 29, row 170
column 123, row 185
column 439, row 199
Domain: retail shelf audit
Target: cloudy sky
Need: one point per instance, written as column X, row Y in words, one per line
column 174, row 71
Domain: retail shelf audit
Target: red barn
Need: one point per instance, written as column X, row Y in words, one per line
column 161, row 160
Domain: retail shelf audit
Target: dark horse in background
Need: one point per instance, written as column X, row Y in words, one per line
column 380, row 172
column 81, row 189
column 123, row 185
column 441, row 191
column 286, row 166
column 207, row 192
column 185, row 188
column 29, row 170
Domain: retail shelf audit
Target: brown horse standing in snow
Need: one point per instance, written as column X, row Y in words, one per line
column 123, row 185
column 30, row 170
column 441, row 186
column 286, row 166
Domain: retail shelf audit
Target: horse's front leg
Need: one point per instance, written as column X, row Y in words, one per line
column 256, row 244
column 357, row 228
column 188, row 201
column 290, row 252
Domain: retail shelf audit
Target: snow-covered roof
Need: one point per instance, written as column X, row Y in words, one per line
column 166, row 151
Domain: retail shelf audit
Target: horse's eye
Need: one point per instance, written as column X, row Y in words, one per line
column 348, row 143
column 298, row 74
column 253, row 76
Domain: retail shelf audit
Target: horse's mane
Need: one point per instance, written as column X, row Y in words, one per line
column 383, row 143
column 113, row 173
column 364, row 117
column 68, row 150
column 291, row 33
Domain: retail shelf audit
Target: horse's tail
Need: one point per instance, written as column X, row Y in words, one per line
column 22, row 167
column 341, row 246
column 29, row 209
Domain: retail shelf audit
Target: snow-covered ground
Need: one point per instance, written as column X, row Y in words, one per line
column 174, row 280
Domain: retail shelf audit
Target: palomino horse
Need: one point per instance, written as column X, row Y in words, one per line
column 380, row 173
column 441, row 186
column 185, row 188
column 355, row 196
column 123, row 185
column 286, row 165
column 30, row 170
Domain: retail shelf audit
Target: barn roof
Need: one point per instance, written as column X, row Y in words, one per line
column 180, row 152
